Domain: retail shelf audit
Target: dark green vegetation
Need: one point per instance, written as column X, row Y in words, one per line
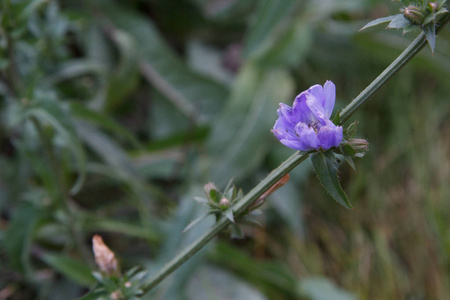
column 113, row 117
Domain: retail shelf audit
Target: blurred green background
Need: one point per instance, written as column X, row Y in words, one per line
column 114, row 114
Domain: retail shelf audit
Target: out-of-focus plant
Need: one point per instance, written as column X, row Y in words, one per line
column 114, row 115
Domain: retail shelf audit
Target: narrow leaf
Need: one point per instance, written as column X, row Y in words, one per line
column 430, row 33
column 229, row 214
column 441, row 11
column 399, row 22
column 430, row 18
column 379, row 21
column 326, row 170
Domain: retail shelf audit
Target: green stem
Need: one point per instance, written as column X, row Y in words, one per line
column 251, row 197
column 289, row 164
column 395, row 66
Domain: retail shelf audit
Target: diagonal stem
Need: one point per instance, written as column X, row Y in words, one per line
column 245, row 202
column 393, row 68
column 289, row 164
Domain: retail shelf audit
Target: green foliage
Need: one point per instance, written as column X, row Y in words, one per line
column 114, row 114
column 326, row 168
column 422, row 15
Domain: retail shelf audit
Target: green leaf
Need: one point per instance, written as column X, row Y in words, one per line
column 74, row 68
column 195, row 95
column 350, row 162
column 399, row 22
column 430, row 33
column 268, row 15
column 379, row 21
column 19, row 236
column 107, row 149
column 215, row 195
column 326, row 167
column 74, row 269
column 348, row 150
column 441, row 11
column 125, row 76
column 50, row 112
column 229, row 214
column 288, row 48
column 337, row 119
column 104, row 121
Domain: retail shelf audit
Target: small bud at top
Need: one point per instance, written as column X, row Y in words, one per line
column 208, row 187
column 104, row 257
column 224, row 203
column 413, row 14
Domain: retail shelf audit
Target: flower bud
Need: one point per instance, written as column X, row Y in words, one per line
column 360, row 146
column 413, row 14
column 104, row 257
column 224, row 203
column 433, row 7
column 208, row 187
column 117, row 295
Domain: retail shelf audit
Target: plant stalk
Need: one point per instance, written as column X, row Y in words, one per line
column 245, row 202
column 289, row 164
column 393, row 68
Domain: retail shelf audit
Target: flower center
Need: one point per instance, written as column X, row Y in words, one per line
column 314, row 126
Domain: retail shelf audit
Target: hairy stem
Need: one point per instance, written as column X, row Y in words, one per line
column 290, row 163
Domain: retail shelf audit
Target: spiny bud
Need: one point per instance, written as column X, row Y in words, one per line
column 413, row 14
column 360, row 146
column 224, row 203
column 104, row 257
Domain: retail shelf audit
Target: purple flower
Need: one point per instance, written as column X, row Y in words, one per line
column 306, row 125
